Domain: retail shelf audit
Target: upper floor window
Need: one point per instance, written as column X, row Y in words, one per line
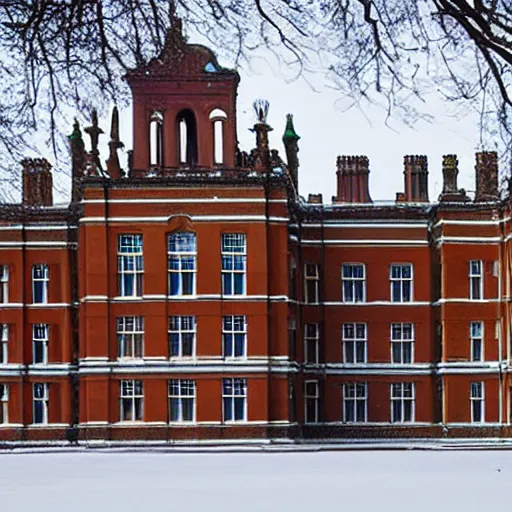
column 41, row 398
column 182, row 336
column 353, row 282
column 234, row 336
column 130, row 265
column 402, row 343
column 181, row 259
column 131, row 400
column 354, row 342
column 476, row 333
column 40, row 338
column 182, row 400
column 4, row 284
column 4, row 403
column 4, row 340
column 311, row 283
column 476, row 291
column 40, row 281
column 218, row 117
column 234, row 399
column 130, row 337
column 234, row 263
column 402, row 402
column 187, row 138
column 311, row 343
column 355, row 402
column 477, row 400
column 400, row 276
column 156, row 123
column 311, row 401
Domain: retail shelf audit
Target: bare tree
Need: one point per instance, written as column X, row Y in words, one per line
column 59, row 57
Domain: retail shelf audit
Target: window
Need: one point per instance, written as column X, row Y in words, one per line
column 353, row 281
column 400, row 277
column 132, row 400
column 130, row 337
column 187, row 138
column 234, row 399
column 292, row 278
column 40, row 336
column 475, row 280
column 292, row 338
column 156, row 123
column 4, row 403
column 311, row 398
column 354, row 343
column 40, row 403
column 4, row 338
column 311, row 283
column 234, row 336
column 311, row 343
column 402, row 402
column 40, row 280
column 130, row 266
column 181, row 262
column 476, row 332
column 402, row 343
column 234, row 262
column 4, row 284
column 182, row 400
column 182, row 336
column 477, row 400
column 218, row 117
column 355, row 402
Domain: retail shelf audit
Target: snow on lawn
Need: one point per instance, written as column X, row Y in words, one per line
column 315, row 482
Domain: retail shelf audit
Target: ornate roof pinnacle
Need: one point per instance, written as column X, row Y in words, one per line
column 289, row 132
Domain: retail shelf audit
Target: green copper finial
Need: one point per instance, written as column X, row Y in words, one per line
column 289, row 132
column 77, row 134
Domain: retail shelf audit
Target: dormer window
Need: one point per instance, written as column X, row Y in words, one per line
column 156, row 149
column 218, row 117
column 187, row 138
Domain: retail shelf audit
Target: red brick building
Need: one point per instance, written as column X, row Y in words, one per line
column 197, row 295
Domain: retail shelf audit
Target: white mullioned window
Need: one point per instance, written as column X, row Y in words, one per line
column 182, row 336
column 400, row 277
column 40, row 339
column 41, row 398
column 234, row 399
column 354, row 340
column 40, row 283
column 234, row 264
column 353, row 279
column 311, row 343
column 4, row 343
column 311, row 283
column 234, row 336
column 130, row 337
column 476, row 333
column 4, row 403
column 131, row 400
column 182, row 400
column 311, row 401
column 4, row 284
column 477, row 400
column 181, row 263
column 402, row 402
column 476, row 281
column 355, row 402
column 402, row 343
column 130, row 265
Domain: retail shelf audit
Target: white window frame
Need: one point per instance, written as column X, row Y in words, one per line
column 402, row 399
column 238, row 391
column 351, row 394
column 229, row 255
column 355, row 341
column 181, row 326
column 311, row 275
column 4, row 284
column 181, row 390
column 314, row 397
column 44, row 399
column 476, row 339
column 4, row 343
column 4, row 404
column 402, row 341
column 130, row 262
column 353, row 282
column 478, row 277
column 477, row 396
column 182, row 256
column 42, row 338
column 401, row 280
column 312, row 337
column 44, row 278
column 130, row 334
column 238, row 328
column 131, row 391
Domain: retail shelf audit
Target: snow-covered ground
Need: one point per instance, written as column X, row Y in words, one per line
column 354, row 481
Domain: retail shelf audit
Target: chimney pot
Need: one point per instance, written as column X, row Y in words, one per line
column 352, row 176
column 416, row 178
column 486, row 176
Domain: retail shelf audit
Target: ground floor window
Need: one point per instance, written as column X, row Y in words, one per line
column 40, row 403
column 182, row 400
column 311, row 399
column 477, row 399
column 402, row 402
column 355, row 402
column 234, row 399
column 4, row 403
column 131, row 400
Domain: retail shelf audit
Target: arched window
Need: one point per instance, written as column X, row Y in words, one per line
column 187, row 138
column 156, row 149
column 218, row 118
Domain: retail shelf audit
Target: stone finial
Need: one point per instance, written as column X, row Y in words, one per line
column 486, row 176
column 94, row 132
column 113, row 166
column 37, row 182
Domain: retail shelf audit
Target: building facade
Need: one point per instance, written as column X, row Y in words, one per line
column 198, row 296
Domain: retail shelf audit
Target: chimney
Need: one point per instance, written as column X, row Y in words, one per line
column 486, row 176
column 315, row 199
column 290, row 140
column 37, row 182
column 78, row 160
column 261, row 128
column 416, row 178
column 352, row 176
column 451, row 192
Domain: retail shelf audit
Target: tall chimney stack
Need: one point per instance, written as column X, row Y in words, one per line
column 37, row 182
column 486, row 176
column 451, row 192
column 352, row 176
column 416, row 178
